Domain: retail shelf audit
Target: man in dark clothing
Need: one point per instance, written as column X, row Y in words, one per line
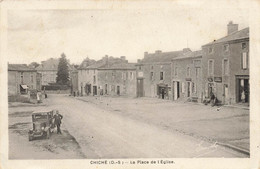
column 57, row 121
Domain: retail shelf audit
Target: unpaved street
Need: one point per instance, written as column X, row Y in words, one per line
column 102, row 133
column 57, row 147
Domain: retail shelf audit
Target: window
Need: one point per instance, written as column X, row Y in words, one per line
column 106, row 75
column 243, row 46
column 113, row 75
column 131, row 75
column 210, row 67
column 94, row 79
column 151, row 76
column 197, row 63
column 152, row 67
column 176, row 71
column 161, row 75
column 94, row 71
column 123, row 75
column 225, row 67
column 188, row 72
column 22, row 77
column 210, row 50
column 140, row 67
column 226, row 47
column 197, row 71
column 244, row 60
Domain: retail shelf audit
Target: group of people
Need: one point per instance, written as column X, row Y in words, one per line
column 212, row 100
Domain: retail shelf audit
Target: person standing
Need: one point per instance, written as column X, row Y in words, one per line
column 57, row 121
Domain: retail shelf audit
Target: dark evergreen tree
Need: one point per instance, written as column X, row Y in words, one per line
column 63, row 71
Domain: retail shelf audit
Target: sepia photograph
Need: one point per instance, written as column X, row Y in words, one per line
column 121, row 85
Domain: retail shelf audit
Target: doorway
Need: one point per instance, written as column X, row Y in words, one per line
column 118, row 90
column 243, row 93
column 94, row 90
column 106, row 89
column 88, row 89
column 176, row 90
column 225, row 94
column 140, row 87
column 188, row 90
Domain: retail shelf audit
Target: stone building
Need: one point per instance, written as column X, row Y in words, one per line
column 154, row 74
column 49, row 69
column 225, row 64
column 186, row 76
column 88, row 81
column 22, row 79
column 118, row 79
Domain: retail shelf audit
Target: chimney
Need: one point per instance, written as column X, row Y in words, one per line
column 158, row 51
column 145, row 54
column 138, row 60
column 105, row 59
column 231, row 27
column 185, row 50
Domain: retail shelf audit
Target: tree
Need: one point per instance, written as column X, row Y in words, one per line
column 63, row 71
column 34, row 64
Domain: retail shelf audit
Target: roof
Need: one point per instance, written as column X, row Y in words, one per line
column 194, row 54
column 122, row 66
column 241, row 34
column 42, row 111
column 51, row 65
column 97, row 65
column 164, row 56
column 19, row 67
column 86, row 62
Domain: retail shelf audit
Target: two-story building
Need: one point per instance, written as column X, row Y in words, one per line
column 154, row 74
column 22, row 79
column 225, row 64
column 187, row 75
column 88, row 80
column 118, row 79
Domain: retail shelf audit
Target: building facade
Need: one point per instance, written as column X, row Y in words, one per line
column 154, row 74
column 22, row 79
column 88, row 74
column 225, row 64
column 118, row 79
column 187, row 77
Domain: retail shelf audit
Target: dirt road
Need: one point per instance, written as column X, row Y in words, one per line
column 57, row 147
column 104, row 133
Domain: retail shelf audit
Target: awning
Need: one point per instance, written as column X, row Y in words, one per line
column 24, row 86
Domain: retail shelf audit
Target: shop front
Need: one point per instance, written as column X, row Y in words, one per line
column 163, row 91
column 242, row 89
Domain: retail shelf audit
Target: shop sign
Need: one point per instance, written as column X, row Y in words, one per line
column 218, row 79
column 188, row 79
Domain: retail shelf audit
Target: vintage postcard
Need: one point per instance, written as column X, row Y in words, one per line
column 130, row 84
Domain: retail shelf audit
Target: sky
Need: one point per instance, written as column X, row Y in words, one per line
column 36, row 35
